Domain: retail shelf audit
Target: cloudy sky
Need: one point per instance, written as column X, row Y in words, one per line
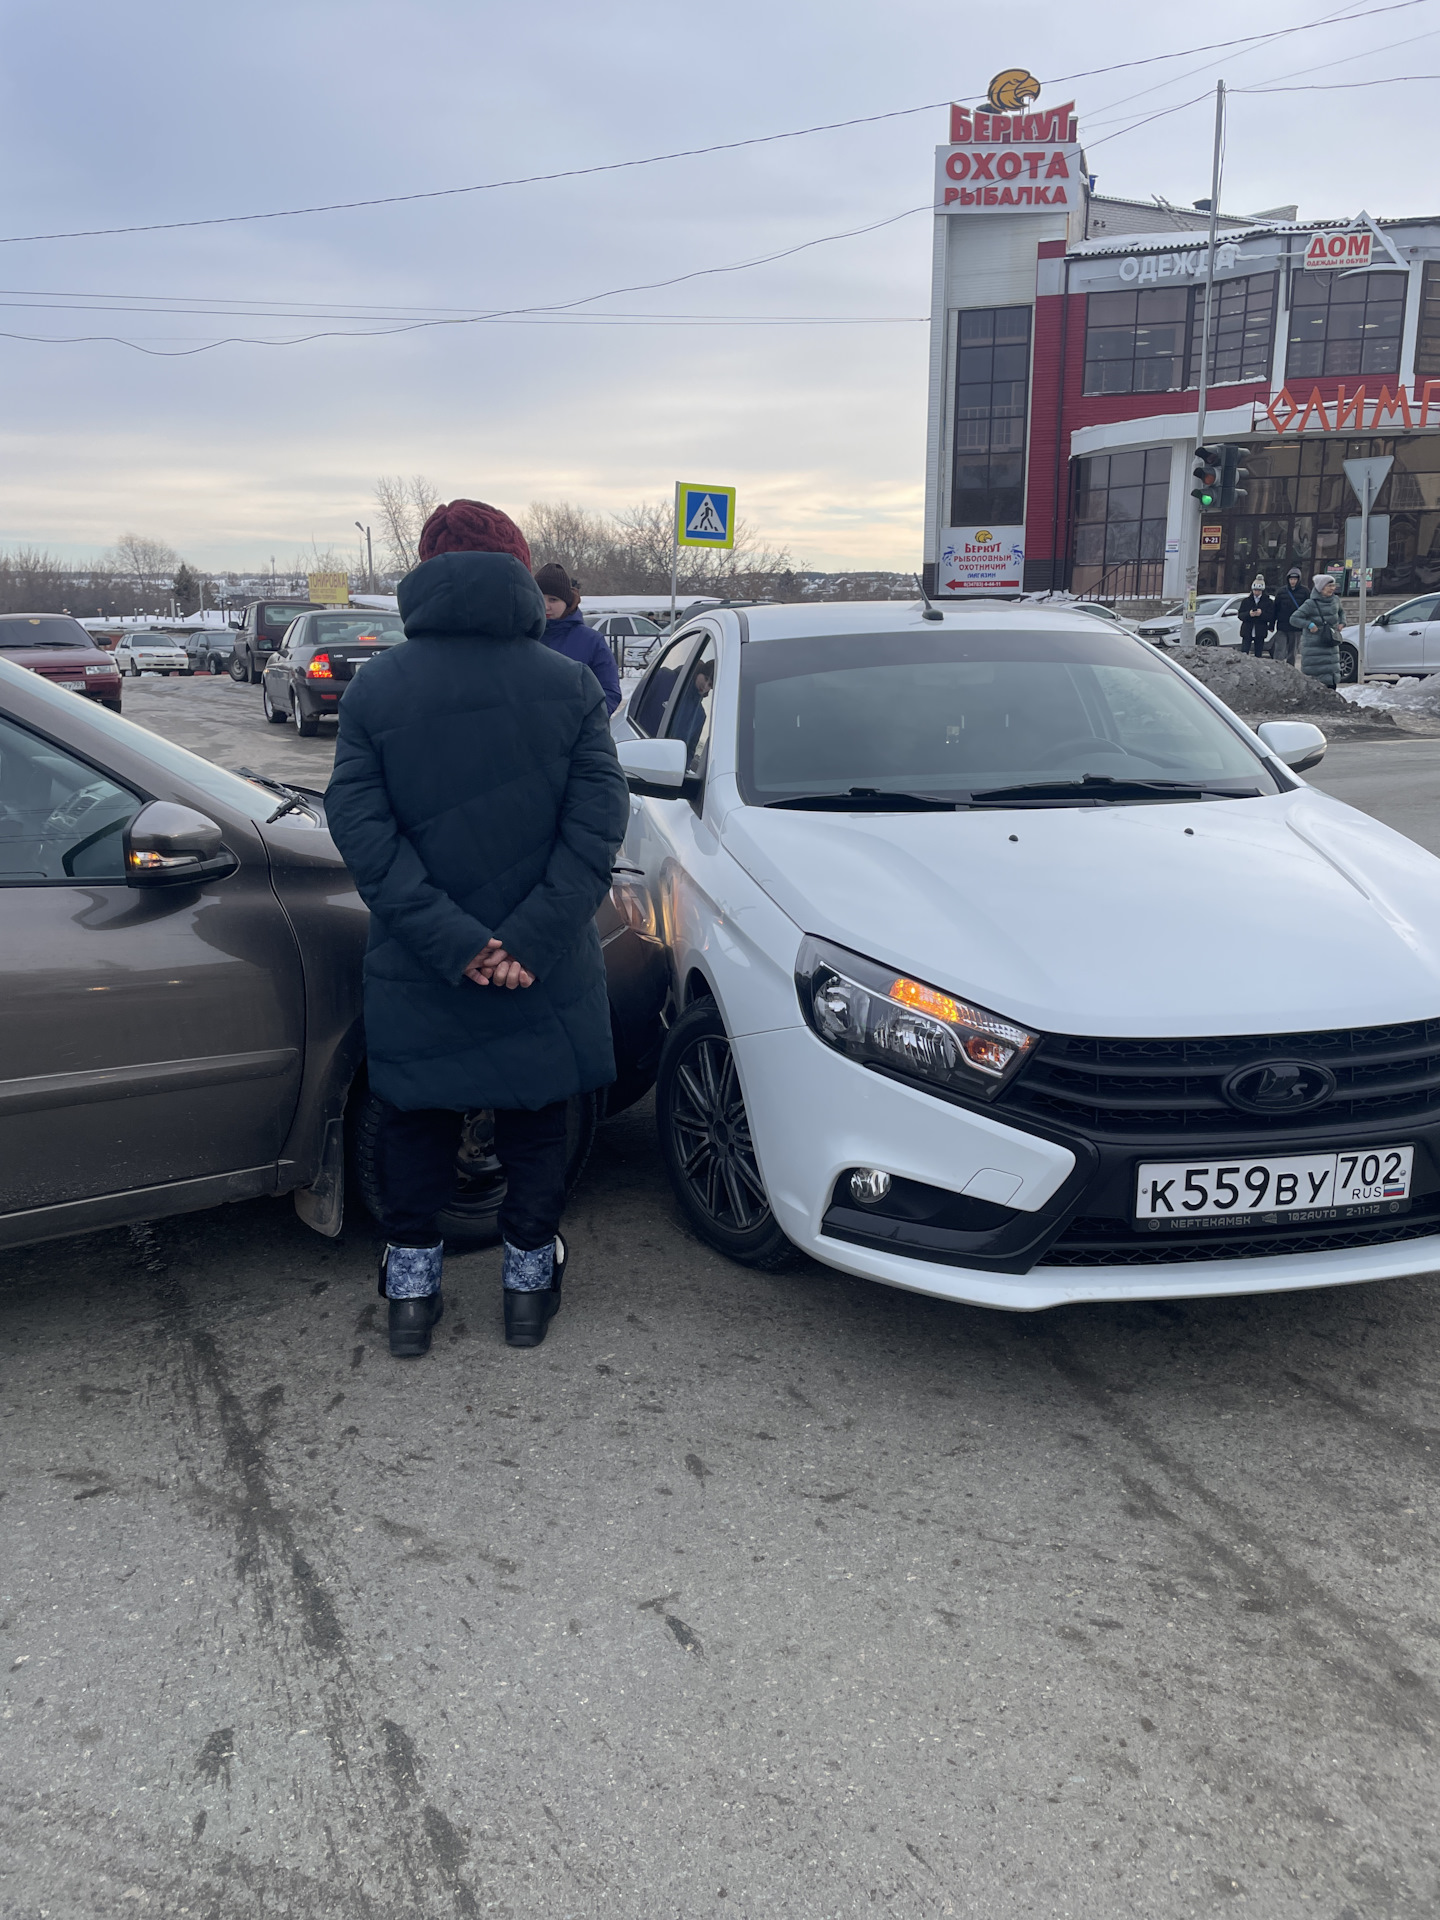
column 161, row 112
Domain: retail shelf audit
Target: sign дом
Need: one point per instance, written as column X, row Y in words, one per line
column 1348, row 249
column 980, row 559
column 1006, row 157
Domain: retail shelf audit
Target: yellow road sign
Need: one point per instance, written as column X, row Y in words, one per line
column 704, row 516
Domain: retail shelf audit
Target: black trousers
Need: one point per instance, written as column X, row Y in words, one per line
column 1253, row 643
column 415, row 1169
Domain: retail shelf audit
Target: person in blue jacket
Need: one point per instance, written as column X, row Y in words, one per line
column 568, row 633
column 478, row 803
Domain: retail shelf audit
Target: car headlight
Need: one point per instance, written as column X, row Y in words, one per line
column 884, row 1018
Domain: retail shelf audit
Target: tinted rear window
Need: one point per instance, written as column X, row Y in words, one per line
column 42, row 630
column 279, row 616
column 355, row 629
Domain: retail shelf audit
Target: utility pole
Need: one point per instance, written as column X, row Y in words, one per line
column 1192, row 559
column 369, row 560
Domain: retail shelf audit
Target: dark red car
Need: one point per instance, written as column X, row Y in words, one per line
column 58, row 648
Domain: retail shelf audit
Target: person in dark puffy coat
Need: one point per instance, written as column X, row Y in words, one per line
column 478, row 802
column 1318, row 623
column 1256, row 614
column 1288, row 600
column 568, row 633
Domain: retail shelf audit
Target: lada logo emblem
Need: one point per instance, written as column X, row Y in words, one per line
column 1279, row 1087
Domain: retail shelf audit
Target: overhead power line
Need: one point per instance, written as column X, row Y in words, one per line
column 687, row 153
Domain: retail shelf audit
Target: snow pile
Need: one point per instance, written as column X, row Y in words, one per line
column 1412, row 696
column 1266, row 689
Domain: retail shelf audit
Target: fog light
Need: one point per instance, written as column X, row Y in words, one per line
column 869, row 1185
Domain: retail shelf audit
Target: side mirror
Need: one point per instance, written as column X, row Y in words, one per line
column 1296, row 742
column 656, row 768
column 167, row 845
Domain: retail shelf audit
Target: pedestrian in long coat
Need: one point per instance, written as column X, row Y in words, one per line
column 1318, row 621
column 478, row 802
column 1288, row 600
column 1257, row 617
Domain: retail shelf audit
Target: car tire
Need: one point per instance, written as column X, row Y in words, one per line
column 133, row 671
column 1349, row 666
column 472, row 1217
column 307, row 725
column 1208, row 638
column 272, row 712
column 716, row 1181
column 239, row 669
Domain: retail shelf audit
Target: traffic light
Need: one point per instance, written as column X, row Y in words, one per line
column 1207, row 472
column 1232, row 473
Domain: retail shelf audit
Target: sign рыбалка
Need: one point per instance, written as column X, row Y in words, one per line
column 980, row 559
column 1004, row 161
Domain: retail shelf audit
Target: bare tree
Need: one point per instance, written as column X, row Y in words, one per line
column 148, row 563
column 630, row 552
column 403, row 507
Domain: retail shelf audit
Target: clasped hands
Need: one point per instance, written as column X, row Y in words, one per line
column 493, row 966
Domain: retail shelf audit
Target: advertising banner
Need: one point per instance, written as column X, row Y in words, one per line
column 329, row 589
column 981, row 559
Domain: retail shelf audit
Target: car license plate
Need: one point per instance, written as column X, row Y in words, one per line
column 1297, row 1186
column 75, row 686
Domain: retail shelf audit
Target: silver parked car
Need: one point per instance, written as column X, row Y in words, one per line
column 180, row 978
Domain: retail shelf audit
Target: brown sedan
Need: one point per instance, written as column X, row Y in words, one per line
column 180, row 955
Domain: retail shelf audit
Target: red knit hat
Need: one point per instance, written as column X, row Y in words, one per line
column 469, row 526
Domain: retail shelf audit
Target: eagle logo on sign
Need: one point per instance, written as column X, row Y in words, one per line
column 1011, row 90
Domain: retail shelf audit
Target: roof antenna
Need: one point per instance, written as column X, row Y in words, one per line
column 932, row 612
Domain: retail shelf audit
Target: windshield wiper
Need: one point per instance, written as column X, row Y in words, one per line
column 867, row 800
column 295, row 797
column 1103, row 788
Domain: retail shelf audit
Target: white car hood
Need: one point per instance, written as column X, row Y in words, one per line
column 1291, row 913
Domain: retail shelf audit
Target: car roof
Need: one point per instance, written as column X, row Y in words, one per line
column 809, row 620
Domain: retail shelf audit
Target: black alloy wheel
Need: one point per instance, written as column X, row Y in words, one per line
column 705, row 1138
column 239, row 668
column 472, row 1217
column 307, row 725
column 273, row 714
column 1349, row 665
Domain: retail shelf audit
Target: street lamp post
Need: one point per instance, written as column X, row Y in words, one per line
column 369, row 558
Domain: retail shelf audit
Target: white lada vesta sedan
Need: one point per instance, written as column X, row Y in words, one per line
column 1010, row 966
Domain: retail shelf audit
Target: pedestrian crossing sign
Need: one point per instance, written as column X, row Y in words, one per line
column 704, row 516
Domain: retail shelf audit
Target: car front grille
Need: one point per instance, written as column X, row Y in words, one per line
column 1133, row 1089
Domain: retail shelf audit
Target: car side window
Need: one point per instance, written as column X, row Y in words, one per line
column 1417, row 610
column 59, row 819
column 647, row 711
column 690, row 721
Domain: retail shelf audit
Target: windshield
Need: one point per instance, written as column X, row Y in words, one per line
column 1215, row 604
column 42, row 630
column 956, row 715
column 367, row 629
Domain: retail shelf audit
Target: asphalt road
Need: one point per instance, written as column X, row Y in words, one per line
column 744, row 1594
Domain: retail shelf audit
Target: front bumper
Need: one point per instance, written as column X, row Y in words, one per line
column 815, row 1115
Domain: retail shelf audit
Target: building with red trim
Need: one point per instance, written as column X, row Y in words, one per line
column 1065, row 358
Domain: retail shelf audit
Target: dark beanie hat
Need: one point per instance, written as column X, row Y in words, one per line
column 554, row 581
column 469, row 526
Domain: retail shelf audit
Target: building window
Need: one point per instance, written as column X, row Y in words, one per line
column 1149, row 341
column 1118, row 543
column 1345, row 323
column 1135, row 342
column 1242, row 329
column 992, row 382
column 1427, row 341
